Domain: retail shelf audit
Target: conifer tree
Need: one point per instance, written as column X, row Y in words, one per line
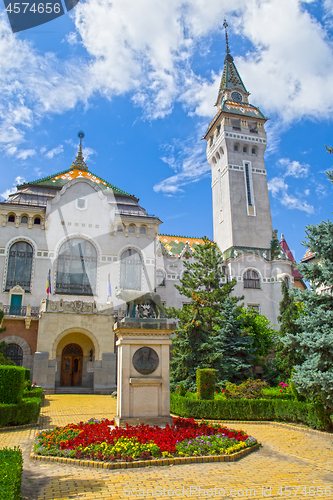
column 314, row 342
column 203, row 277
column 192, row 346
column 286, row 354
column 234, row 356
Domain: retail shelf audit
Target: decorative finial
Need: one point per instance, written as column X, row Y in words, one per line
column 79, row 162
column 225, row 24
column 282, row 237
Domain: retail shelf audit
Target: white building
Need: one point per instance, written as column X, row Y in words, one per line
column 90, row 237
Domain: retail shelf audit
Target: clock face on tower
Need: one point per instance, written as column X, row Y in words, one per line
column 236, row 96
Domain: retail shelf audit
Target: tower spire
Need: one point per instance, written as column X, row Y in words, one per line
column 225, row 25
column 79, row 162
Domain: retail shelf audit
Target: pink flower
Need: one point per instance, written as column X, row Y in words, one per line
column 280, row 390
column 223, row 390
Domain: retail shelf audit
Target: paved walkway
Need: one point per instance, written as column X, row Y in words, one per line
column 288, row 458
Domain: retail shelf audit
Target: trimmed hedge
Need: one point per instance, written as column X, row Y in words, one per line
column 24, row 413
column 11, row 384
column 205, row 379
column 37, row 392
column 27, row 375
column 10, row 473
column 312, row 414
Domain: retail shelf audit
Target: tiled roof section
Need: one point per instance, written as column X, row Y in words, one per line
column 242, row 108
column 61, row 178
column 236, row 108
column 308, row 256
column 175, row 244
column 230, row 77
column 296, row 274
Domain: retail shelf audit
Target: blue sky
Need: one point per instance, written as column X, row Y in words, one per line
column 140, row 78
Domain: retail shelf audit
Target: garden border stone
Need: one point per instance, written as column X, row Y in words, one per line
column 146, row 463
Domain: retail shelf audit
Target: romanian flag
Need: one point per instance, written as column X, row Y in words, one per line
column 48, row 284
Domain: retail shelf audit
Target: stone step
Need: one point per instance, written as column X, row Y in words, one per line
column 74, row 390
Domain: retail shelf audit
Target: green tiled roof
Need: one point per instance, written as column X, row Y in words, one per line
column 61, row 178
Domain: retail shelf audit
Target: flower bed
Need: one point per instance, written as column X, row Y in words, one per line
column 96, row 440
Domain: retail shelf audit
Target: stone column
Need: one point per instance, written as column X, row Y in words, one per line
column 143, row 394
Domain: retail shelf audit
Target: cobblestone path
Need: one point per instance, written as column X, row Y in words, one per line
column 290, row 462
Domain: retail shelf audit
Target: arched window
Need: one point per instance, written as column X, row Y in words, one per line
column 287, row 281
column 160, row 278
column 130, row 270
column 244, row 149
column 37, row 220
column 19, row 266
column 251, row 279
column 24, row 219
column 120, row 228
column 15, row 353
column 143, row 230
column 131, row 229
column 218, row 155
column 77, row 268
column 221, row 150
column 214, row 159
column 235, row 147
column 254, row 151
column 11, row 218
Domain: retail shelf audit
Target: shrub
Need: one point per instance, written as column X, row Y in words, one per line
column 11, row 384
column 27, row 375
column 10, row 473
column 251, row 389
column 36, row 392
column 20, row 414
column 312, row 414
column 274, row 393
column 205, row 383
column 181, row 389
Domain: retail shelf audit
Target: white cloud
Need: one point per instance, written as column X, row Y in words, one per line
column 25, row 153
column 294, row 168
column 189, row 162
column 7, row 192
column 53, row 152
column 279, row 189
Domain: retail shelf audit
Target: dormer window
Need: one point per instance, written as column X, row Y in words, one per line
column 253, row 127
column 236, row 123
column 218, row 130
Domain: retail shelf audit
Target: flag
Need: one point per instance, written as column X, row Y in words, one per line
column 109, row 287
column 48, row 284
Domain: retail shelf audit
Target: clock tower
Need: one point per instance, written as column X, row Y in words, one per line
column 236, row 143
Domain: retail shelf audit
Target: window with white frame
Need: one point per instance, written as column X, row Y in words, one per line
column 130, row 270
column 77, row 268
column 19, row 266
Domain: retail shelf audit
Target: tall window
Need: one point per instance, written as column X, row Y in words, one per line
column 248, row 184
column 160, row 278
column 130, row 270
column 77, row 268
column 15, row 353
column 19, row 266
column 251, row 279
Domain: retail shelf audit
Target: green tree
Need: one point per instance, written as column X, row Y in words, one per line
column 3, row 345
column 203, row 277
column 257, row 326
column 191, row 346
column 287, row 355
column 314, row 341
column 234, row 355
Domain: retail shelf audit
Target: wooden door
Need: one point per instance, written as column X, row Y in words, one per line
column 71, row 366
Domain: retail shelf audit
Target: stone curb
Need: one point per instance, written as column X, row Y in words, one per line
column 18, row 427
column 267, row 422
column 146, row 463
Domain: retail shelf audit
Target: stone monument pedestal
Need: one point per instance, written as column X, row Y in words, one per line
column 143, row 394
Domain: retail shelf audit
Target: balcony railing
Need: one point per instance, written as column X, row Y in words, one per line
column 23, row 311
column 15, row 310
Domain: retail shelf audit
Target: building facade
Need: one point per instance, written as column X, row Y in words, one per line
column 68, row 241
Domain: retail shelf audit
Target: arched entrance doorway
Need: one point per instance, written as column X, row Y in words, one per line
column 71, row 366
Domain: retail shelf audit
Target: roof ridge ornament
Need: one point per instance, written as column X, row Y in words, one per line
column 79, row 162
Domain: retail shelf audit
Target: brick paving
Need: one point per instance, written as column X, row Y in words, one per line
column 288, row 458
